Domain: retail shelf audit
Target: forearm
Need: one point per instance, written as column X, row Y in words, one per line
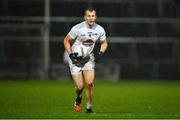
column 104, row 46
column 67, row 44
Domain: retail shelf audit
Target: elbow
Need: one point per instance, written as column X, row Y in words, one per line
column 66, row 41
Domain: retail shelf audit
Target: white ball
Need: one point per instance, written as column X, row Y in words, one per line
column 81, row 50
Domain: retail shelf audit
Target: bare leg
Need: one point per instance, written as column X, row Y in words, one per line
column 78, row 79
column 89, row 79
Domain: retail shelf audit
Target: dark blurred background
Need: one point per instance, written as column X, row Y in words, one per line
column 143, row 38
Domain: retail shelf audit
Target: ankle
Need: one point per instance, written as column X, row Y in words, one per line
column 89, row 105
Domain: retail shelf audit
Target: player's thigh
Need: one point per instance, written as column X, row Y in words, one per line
column 77, row 76
column 89, row 76
column 88, row 72
column 78, row 79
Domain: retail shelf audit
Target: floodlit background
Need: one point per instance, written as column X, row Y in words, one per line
column 143, row 59
column 143, row 38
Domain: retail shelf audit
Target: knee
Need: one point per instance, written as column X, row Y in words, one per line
column 80, row 87
column 89, row 84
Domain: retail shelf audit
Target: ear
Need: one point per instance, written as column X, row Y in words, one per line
column 85, row 18
column 95, row 17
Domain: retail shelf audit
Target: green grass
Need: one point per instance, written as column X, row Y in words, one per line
column 54, row 99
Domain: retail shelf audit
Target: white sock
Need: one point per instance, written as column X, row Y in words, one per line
column 88, row 105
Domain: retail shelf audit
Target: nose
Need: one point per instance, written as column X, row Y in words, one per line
column 92, row 17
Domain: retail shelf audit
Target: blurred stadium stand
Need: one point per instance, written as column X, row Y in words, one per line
column 143, row 36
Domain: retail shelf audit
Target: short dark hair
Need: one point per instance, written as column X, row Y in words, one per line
column 89, row 9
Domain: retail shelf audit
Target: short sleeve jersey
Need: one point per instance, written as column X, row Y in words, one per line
column 82, row 35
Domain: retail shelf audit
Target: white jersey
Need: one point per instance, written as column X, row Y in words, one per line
column 87, row 37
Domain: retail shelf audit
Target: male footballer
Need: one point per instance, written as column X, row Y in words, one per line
column 79, row 44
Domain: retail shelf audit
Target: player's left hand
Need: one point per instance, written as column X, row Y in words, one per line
column 99, row 55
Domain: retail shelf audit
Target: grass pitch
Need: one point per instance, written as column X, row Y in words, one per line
column 54, row 99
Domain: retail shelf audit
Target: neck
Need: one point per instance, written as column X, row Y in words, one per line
column 89, row 26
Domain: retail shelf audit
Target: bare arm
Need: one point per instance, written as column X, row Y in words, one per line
column 104, row 45
column 67, row 44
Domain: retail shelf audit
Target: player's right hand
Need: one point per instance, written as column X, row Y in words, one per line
column 73, row 57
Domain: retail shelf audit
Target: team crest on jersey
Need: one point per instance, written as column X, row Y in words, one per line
column 88, row 42
column 90, row 34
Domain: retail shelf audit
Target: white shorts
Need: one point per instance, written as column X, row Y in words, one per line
column 74, row 69
column 78, row 68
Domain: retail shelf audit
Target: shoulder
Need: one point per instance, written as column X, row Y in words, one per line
column 79, row 25
column 99, row 28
